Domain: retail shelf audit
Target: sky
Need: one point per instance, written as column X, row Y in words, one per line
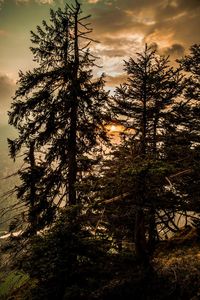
column 121, row 26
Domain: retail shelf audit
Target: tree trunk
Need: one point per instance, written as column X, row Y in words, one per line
column 144, row 111
column 72, row 171
column 153, row 234
column 32, row 211
column 155, row 123
column 140, row 230
column 140, row 238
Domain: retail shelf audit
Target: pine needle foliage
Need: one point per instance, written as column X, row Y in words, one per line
column 60, row 109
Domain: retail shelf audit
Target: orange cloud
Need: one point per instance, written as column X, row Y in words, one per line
column 116, row 80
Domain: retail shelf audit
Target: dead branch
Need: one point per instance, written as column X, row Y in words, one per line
column 184, row 172
column 115, row 199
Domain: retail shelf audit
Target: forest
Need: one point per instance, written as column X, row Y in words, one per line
column 106, row 200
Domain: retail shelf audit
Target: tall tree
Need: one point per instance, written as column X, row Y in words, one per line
column 144, row 102
column 187, row 132
column 59, row 108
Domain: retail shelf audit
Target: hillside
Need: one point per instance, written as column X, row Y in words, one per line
column 175, row 276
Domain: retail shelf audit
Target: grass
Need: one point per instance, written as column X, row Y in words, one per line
column 11, row 282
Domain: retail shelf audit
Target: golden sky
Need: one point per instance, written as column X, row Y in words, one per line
column 121, row 26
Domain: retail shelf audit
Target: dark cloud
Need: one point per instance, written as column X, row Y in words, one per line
column 181, row 19
column 110, row 19
column 7, row 88
column 167, row 22
column 117, row 18
column 189, row 5
column 175, row 50
column 123, row 26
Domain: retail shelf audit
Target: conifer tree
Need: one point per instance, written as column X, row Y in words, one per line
column 191, row 65
column 58, row 108
column 143, row 104
column 186, row 138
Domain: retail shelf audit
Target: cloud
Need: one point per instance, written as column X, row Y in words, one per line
column 113, row 81
column 123, row 26
column 175, row 50
column 176, row 22
column 7, row 88
column 167, row 23
column 118, row 45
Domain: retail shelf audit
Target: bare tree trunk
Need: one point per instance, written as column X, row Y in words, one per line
column 144, row 115
column 72, row 171
column 140, row 231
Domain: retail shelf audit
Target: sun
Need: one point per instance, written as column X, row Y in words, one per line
column 113, row 128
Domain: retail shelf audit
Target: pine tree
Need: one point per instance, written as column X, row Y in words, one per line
column 191, row 65
column 58, row 108
column 186, row 135
column 143, row 104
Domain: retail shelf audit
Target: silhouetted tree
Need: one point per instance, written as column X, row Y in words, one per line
column 184, row 145
column 191, row 65
column 144, row 102
column 59, row 108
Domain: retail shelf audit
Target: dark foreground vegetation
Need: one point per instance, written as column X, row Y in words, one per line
column 99, row 220
column 64, row 265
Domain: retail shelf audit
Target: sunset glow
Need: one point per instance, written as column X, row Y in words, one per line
column 121, row 27
column 113, row 128
column 100, row 149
